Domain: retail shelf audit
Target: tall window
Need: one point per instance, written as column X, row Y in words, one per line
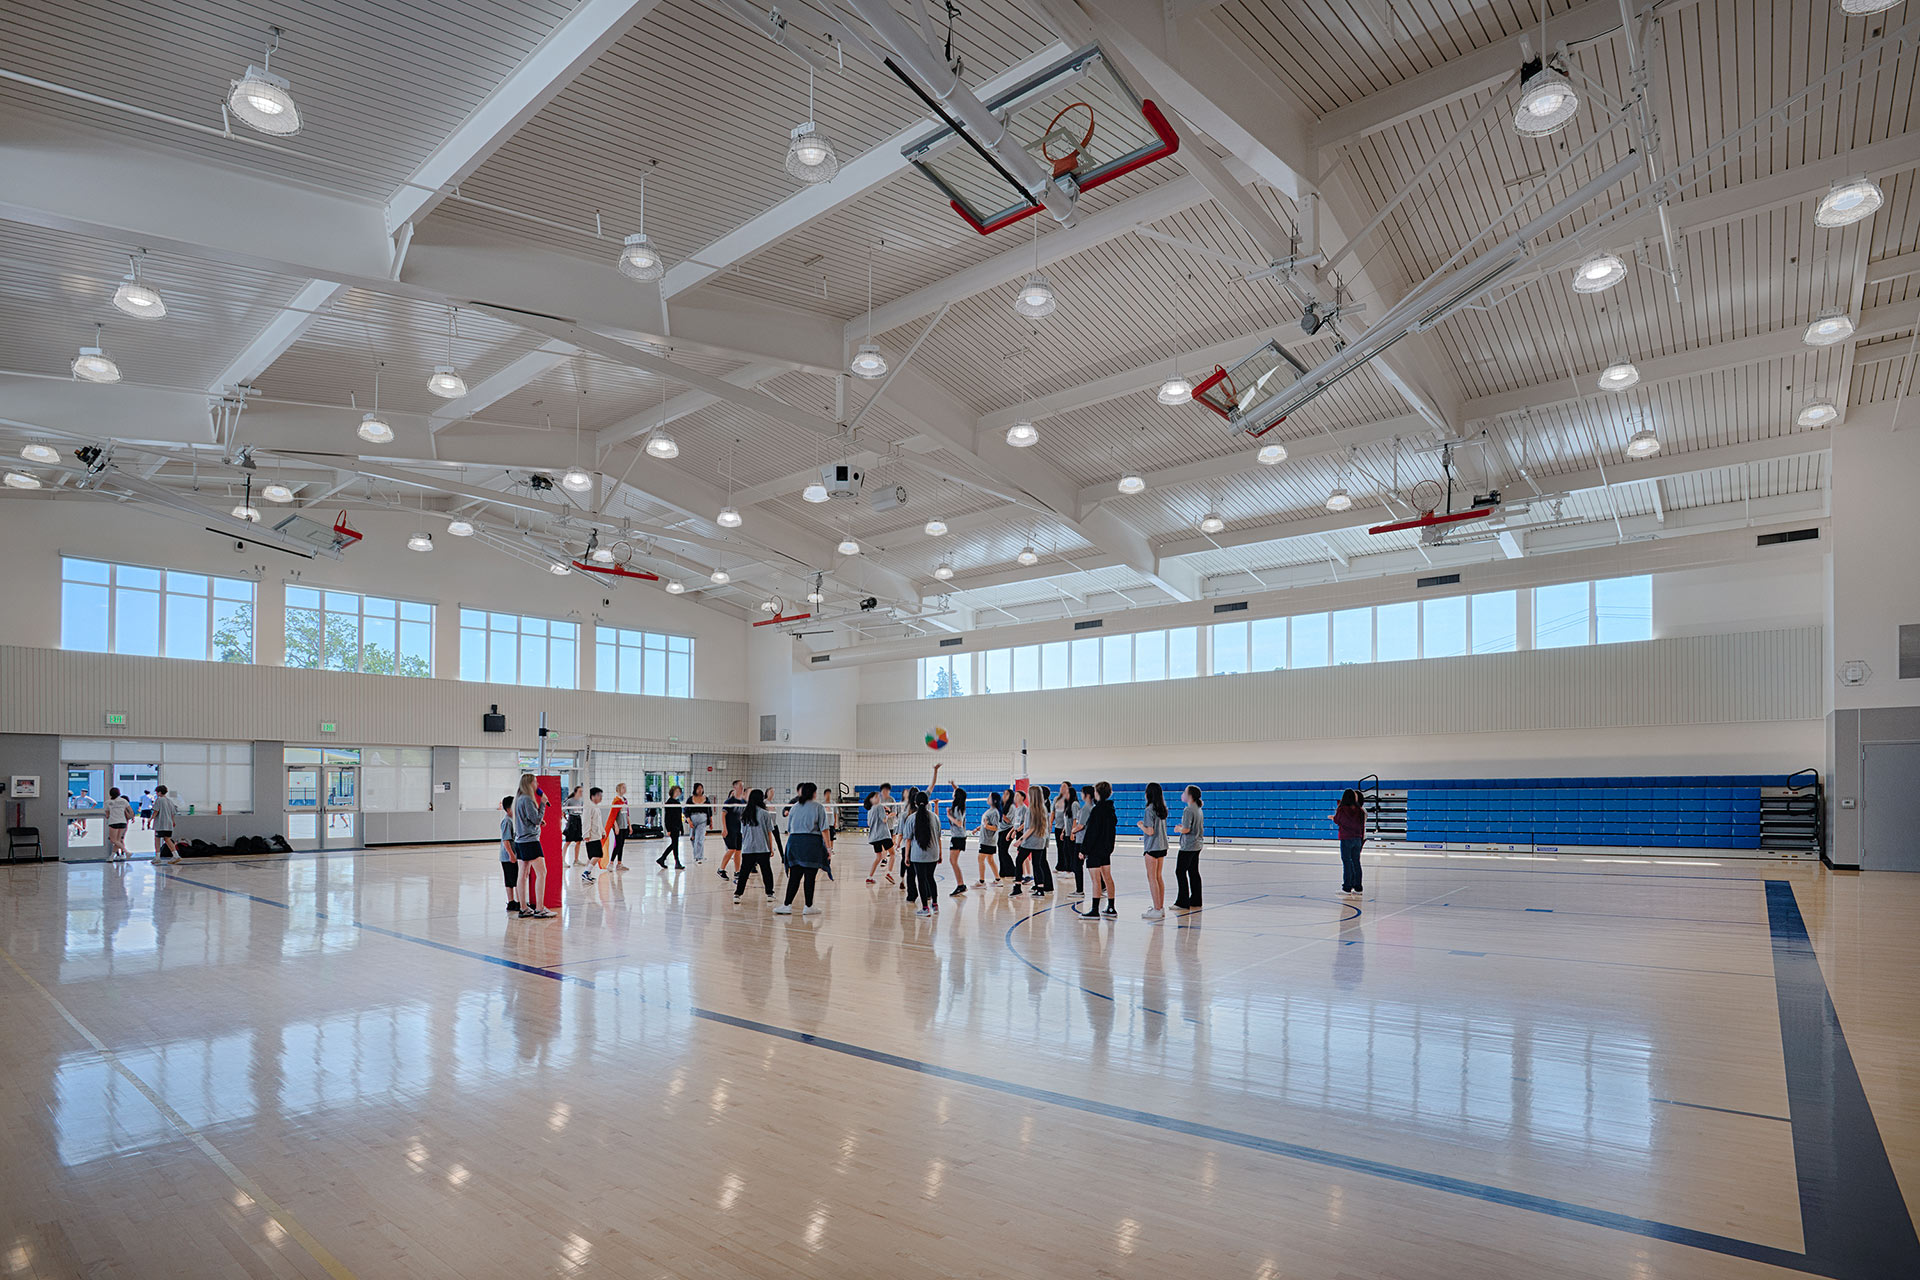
column 660, row 666
column 1229, row 648
column 1310, row 640
column 1269, row 644
column 1562, row 615
column 344, row 631
column 1150, row 655
column 1116, row 659
column 155, row 613
column 946, row 676
column 1053, row 665
column 513, row 648
column 998, row 675
column 1352, row 636
column 1397, row 632
column 1183, row 653
column 206, row 775
column 1443, row 627
column 1086, row 661
column 1496, row 628
column 1623, row 609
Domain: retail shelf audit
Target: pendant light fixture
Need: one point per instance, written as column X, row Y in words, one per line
column 848, row 547
column 1847, row 202
column 246, row 510
column 576, row 478
column 729, row 517
column 135, row 296
column 460, row 528
column 1028, row 556
column 1861, row 8
column 720, row 577
column 22, row 480
column 1817, row 414
column 1830, row 326
column 374, row 429
column 815, row 492
column 936, row 528
column 1023, row 435
column 815, row 595
column 1618, row 376
column 1270, row 454
column 1175, row 390
column 93, row 364
column 943, row 571
column 1212, row 523
column 263, row 100
column 1131, row 483
column 40, row 453
column 639, row 260
column 1643, row 443
column 663, row 446
column 810, row 153
column 446, row 381
column 675, row 586
column 867, row 362
column 1035, row 299
column 420, row 542
column 1340, row 500
column 1599, row 273
column 559, row 570
column 1547, row 101
column 275, row 491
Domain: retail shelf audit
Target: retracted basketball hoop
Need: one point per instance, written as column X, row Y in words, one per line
column 1230, row 392
column 1042, row 115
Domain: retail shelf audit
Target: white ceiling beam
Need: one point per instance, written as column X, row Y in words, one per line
column 502, row 384
column 1049, row 568
column 277, row 336
column 1896, row 267
column 1110, row 223
column 687, row 402
column 1780, row 344
column 872, row 168
column 1663, row 467
column 790, row 484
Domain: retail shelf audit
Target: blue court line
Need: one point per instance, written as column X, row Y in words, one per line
column 448, row 947
column 1291, row 1150
column 1701, row 1106
column 1852, row 1216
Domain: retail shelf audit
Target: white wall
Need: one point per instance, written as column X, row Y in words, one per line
column 458, row 571
column 1788, row 591
column 1876, row 576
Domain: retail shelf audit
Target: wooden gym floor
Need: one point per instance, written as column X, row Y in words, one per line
column 358, row 1065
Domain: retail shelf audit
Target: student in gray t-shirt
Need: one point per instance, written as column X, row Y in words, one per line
column 165, row 814
column 1186, row 869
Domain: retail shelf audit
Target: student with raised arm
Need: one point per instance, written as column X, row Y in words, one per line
column 1153, row 827
column 1101, row 829
column 1192, row 830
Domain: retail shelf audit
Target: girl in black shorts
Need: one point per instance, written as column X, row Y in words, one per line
column 957, row 838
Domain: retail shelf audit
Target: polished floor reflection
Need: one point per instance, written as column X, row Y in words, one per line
column 360, row 1065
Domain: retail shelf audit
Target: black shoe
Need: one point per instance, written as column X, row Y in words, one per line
column 661, row 862
column 957, row 891
column 679, row 866
column 1017, row 891
column 1087, row 915
column 1179, row 906
column 722, row 875
column 1111, row 911
column 513, row 906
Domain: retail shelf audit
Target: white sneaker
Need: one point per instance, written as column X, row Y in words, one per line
column 923, row 913
column 784, row 910
column 810, row 911
column 1154, row 913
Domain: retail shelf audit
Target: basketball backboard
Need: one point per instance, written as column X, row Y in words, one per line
column 1231, row 392
column 1077, row 118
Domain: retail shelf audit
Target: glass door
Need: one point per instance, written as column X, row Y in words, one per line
column 340, row 810
column 83, row 816
column 303, row 806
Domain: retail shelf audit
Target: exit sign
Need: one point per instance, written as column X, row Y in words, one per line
column 327, row 726
column 116, row 719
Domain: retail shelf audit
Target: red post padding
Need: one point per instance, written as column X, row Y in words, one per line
column 551, row 871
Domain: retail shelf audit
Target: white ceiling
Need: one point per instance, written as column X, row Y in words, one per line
column 1359, row 95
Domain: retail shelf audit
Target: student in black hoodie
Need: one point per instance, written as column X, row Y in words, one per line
column 1097, row 847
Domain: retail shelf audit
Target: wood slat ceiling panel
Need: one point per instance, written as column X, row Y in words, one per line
column 379, row 85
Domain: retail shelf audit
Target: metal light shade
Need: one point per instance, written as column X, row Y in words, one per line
column 1817, row 414
column 868, row 362
column 675, row 586
column 602, row 555
column 577, row 480
column 810, row 154
column 139, row 299
column 729, row 518
column 662, row 445
column 769, row 606
column 639, row 260
column 1270, row 454
column 263, row 101
column 40, row 453
column 93, row 365
column 720, row 577
column 848, row 547
column 1339, row 500
column 277, row 492
column 1861, row 8
column 1036, row 298
column 1643, row 444
column 1022, row 435
column 1028, row 556
column 816, row 597
column 1212, row 523
column 374, row 430
column 1131, row 483
column 936, row 528
column 816, row 493
column 559, row 570
column 1174, row 391
column 22, row 480
column 1828, row 328
column 943, row 571
column 420, row 542
column 447, row 383
column 244, row 512
column 460, row 528
column 1547, row 102
column 1847, row 202
column 1599, row 273
column 1618, row 377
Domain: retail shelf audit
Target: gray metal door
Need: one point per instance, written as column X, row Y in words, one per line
column 1890, row 802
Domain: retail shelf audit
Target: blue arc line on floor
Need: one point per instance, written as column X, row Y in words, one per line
column 1295, row 1151
column 1852, row 1216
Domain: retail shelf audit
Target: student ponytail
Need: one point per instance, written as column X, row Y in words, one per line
column 756, row 805
column 922, row 821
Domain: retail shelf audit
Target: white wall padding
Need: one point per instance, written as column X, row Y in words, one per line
column 1749, row 676
column 54, row 691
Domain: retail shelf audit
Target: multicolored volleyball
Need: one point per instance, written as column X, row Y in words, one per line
column 936, row 738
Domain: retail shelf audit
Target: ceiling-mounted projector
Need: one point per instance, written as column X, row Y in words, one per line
column 842, row 479
column 888, row 499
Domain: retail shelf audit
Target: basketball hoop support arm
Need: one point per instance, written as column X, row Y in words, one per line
column 943, row 83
